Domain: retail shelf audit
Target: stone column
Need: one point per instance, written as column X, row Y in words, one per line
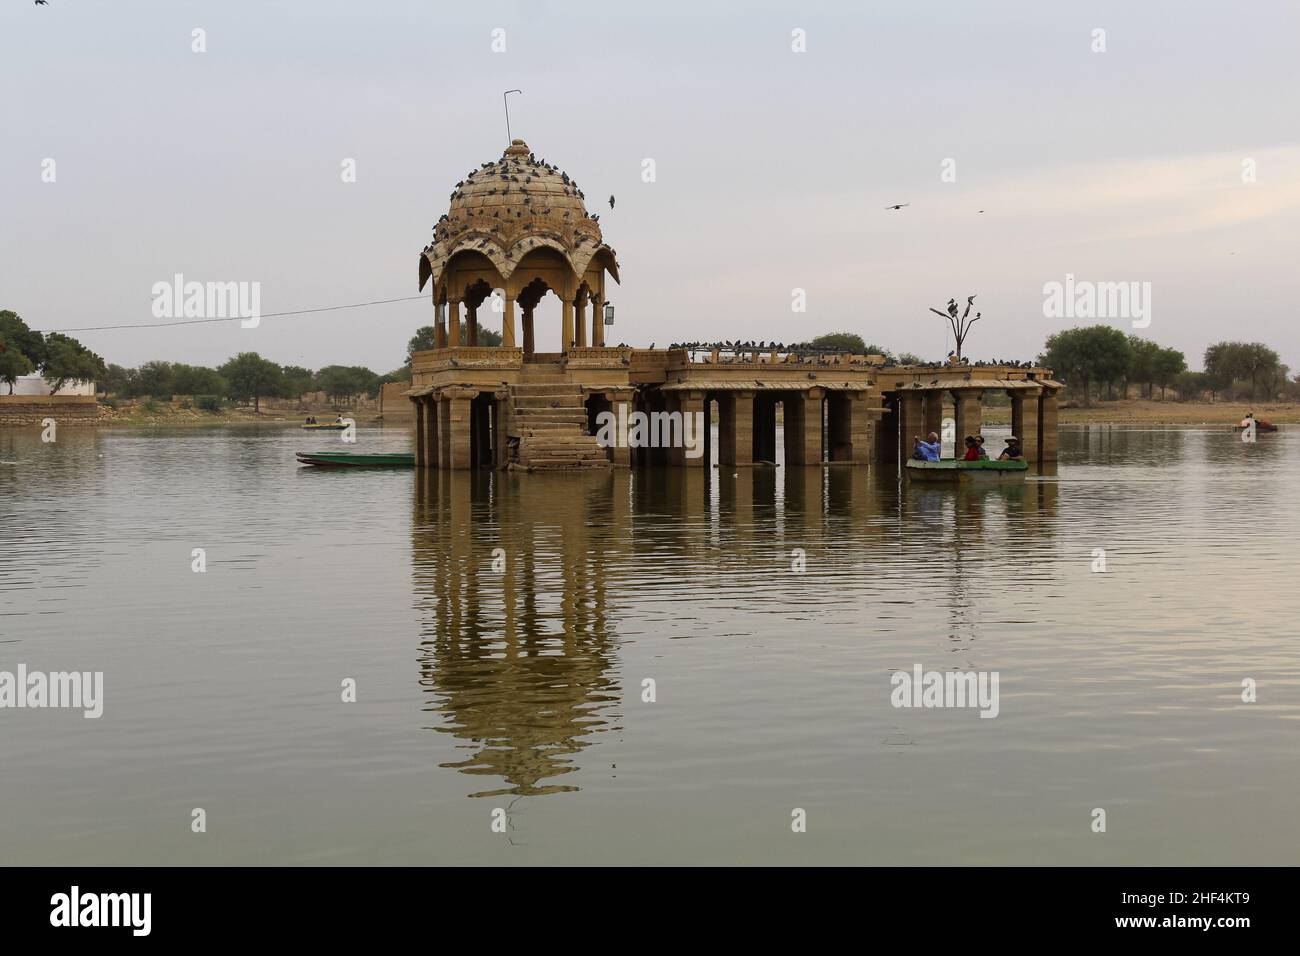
column 444, row 432
column 421, row 452
column 910, row 421
column 430, row 431
column 529, row 347
column 439, row 329
column 566, row 326
column 970, row 411
column 887, row 436
column 933, row 413
column 803, row 428
column 736, row 431
column 459, row 423
column 580, row 313
column 508, row 324
column 862, row 428
column 453, row 322
column 1048, row 425
column 597, row 325
column 694, row 418
column 1024, row 420
column 471, row 325
column 621, row 406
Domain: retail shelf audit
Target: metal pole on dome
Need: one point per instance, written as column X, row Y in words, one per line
column 506, row 104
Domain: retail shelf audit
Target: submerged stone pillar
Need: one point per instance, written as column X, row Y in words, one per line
column 1024, row 420
column 736, row 429
column 911, row 425
column 862, row 428
column 886, row 451
column 421, row 451
column 430, row 431
column 1048, row 426
column 444, row 431
column 695, row 422
column 620, row 404
column 803, row 428
column 970, row 413
column 460, row 422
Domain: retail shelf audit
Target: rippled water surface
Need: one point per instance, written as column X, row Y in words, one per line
column 514, row 678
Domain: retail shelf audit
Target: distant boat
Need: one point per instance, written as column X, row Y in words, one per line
column 954, row 472
column 343, row 459
column 326, row 427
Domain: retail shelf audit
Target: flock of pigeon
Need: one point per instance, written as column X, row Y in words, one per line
column 805, row 350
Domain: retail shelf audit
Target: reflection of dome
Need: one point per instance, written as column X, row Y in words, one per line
column 508, row 208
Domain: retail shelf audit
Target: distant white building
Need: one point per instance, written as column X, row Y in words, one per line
column 35, row 385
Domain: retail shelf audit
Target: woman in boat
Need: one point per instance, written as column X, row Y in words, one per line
column 979, row 442
column 972, row 449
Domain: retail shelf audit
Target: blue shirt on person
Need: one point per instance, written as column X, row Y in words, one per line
column 929, row 451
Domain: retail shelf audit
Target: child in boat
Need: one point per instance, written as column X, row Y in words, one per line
column 972, row 449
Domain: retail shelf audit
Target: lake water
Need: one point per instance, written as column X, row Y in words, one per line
column 480, row 689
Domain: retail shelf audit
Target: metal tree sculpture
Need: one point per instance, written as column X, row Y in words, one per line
column 960, row 325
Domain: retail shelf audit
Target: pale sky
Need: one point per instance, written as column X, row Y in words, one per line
column 773, row 167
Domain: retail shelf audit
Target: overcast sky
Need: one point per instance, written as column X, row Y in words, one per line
column 773, row 167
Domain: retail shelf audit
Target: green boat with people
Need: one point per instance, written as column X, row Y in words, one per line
column 342, row 459
column 953, row 471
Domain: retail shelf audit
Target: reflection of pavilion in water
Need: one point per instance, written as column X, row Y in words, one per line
column 519, row 657
column 521, row 661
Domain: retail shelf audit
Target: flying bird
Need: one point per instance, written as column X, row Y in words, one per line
column 611, row 201
column 42, row 3
column 899, row 205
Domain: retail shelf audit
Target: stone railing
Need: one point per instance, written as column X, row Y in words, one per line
column 590, row 356
column 468, row 356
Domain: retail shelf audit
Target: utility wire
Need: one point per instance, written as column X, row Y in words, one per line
column 236, row 318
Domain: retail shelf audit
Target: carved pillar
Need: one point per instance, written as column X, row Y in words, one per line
column 471, row 324
column 453, row 322
column 529, row 348
column 508, row 324
column 597, row 324
column 566, row 326
column 439, row 328
column 580, row 313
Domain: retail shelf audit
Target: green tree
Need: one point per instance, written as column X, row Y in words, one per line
column 848, row 341
column 155, row 379
column 16, row 336
column 488, row 339
column 1096, row 353
column 252, row 377
column 1191, row 385
column 909, row 358
column 298, row 381
column 67, row 360
column 117, row 380
column 1226, row 362
column 422, row 341
column 198, row 380
column 1168, row 365
column 1142, row 362
column 13, row 363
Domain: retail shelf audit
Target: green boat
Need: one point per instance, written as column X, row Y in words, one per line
column 956, row 472
column 342, row 459
column 324, row 427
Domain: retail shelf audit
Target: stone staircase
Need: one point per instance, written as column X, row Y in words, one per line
column 548, row 418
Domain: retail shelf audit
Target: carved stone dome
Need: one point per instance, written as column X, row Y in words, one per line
column 505, row 209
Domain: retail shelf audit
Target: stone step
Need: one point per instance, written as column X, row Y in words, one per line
column 546, row 388
column 546, row 401
column 558, row 464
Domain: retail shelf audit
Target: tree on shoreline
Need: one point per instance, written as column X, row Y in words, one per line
column 1096, row 353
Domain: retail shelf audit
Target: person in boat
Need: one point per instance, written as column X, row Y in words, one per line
column 972, row 449
column 1248, row 420
column 1013, row 451
column 338, row 419
column 926, row 450
column 979, row 441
